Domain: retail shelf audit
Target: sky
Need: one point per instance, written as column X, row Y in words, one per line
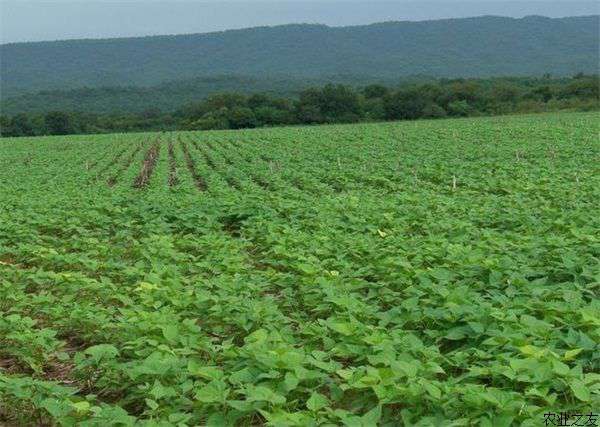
column 36, row 20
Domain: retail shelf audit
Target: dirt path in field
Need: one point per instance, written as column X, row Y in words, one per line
column 148, row 165
column 173, row 178
column 200, row 183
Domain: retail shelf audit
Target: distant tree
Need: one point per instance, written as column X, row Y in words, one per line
column 434, row 111
column 431, row 92
column 582, row 87
column 505, row 92
column 4, row 126
column 241, row 117
column 151, row 113
column 542, row 93
column 339, row 103
column 326, row 104
column 308, row 107
column 209, row 121
column 58, row 123
column 271, row 116
column 192, row 111
column 38, row 123
column 332, row 103
column 309, row 113
column 404, row 105
column 462, row 90
column 258, row 100
column 228, row 100
column 373, row 108
column 375, row 91
column 459, row 108
column 20, row 125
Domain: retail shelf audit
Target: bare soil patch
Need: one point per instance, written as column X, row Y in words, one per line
column 148, row 165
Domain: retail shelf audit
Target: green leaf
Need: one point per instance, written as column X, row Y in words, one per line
column 82, row 407
column 580, row 390
column 372, row 417
column 171, row 332
column 206, row 372
column 151, row 404
column 405, row 368
column 102, row 351
column 457, row 333
column 261, row 393
column 257, row 337
column 56, row 407
column 560, row 368
column 316, row 402
column 570, row 354
column 529, row 350
column 290, row 381
column 432, row 389
column 343, row 328
column 213, row 392
column 241, row 405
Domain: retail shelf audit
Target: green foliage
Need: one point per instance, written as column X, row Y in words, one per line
column 460, row 108
column 439, row 272
column 405, row 105
column 472, row 47
column 332, row 104
column 58, row 123
column 241, row 117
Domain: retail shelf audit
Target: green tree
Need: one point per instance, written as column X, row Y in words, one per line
column 269, row 116
column 542, row 93
column 434, row 111
column 582, row 87
column 58, row 123
column 4, row 126
column 20, row 125
column 375, row 91
column 505, row 92
column 459, row 108
column 404, row 105
column 241, row 117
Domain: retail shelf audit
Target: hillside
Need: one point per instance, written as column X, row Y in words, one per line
column 471, row 47
column 166, row 96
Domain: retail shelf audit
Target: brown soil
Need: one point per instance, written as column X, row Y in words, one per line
column 173, row 179
column 148, row 165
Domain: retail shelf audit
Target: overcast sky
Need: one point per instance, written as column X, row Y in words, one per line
column 34, row 20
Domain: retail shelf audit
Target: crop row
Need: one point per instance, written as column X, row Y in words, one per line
column 420, row 273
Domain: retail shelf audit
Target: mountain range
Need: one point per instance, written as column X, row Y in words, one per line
column 294, row 56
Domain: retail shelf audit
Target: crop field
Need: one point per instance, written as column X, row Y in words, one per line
column 430, row 273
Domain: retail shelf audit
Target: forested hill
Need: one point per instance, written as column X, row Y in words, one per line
column 471, row 47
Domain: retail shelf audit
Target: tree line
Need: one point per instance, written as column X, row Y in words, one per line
column 331, row 103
